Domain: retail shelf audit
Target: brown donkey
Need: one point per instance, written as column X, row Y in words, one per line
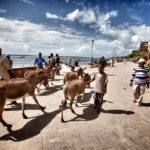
column 73, row 88
column 13, row 89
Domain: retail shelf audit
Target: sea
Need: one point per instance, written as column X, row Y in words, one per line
column 28, row 60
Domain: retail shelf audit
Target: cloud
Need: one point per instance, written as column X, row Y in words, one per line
column 142, row 3
column 103, row 20
column 137, row 18
column 133, row 14
column 49, row 15
column 29, row 38
column 28, row 2
column 72, row 16
column 2, row 10
column 25, row 37
column 67, row 1
column 85, row 16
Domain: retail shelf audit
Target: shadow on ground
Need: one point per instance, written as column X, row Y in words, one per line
column 31, row 128
column 18, row 106
column 88, row 114
column 118, row 112
column 51, row 90
column 86, row 98
column 146, row 104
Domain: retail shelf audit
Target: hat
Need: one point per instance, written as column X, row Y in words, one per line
column 141, row 60
column 8, row 56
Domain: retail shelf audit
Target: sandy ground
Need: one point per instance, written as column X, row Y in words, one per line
column 121, row 125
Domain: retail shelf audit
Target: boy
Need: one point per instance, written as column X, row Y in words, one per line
column 100, row 87
column 141, row 79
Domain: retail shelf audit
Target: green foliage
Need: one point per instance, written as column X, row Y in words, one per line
column 137, row 53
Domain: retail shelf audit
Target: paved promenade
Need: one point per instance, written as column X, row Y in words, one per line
column 122, row 125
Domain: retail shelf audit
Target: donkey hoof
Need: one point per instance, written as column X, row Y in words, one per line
column 25, row 117
column 73, row 111
column 62, row 120
column 9, row 126
column 42, row 108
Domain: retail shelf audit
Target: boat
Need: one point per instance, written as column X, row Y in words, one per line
column 21, row 56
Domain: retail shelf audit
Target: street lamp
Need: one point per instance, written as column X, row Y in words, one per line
column 92, row 53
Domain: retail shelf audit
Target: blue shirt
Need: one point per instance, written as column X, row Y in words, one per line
column 39, row 61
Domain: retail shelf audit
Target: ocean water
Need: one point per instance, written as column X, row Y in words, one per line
column 28, row 61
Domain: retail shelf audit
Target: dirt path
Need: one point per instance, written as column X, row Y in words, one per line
column 121, row 125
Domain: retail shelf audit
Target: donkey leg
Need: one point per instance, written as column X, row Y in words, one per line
column 51, row 82
column 23, row 107
column 71, row 102
column 62, row 107
column 2, row 104
column 36, row 101
column 82, row 98
column 37, row 89
column 77, row 101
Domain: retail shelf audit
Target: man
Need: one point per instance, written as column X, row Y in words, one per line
column 141, row 80
column 57, row 60
column 100, row 88
column 39, row 61
column 102, row 61
column 69, row 60
column 4, row 66
column 51, row 61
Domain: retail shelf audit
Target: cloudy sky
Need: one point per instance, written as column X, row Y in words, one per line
column 68, row 26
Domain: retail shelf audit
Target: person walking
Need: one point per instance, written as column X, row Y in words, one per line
column 69, row 60
column 140, row 78
column 100, row 88
column 39, row 61
column 51, row 61
column 4, row 67
column 57, row 60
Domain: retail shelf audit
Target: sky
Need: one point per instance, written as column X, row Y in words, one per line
column 67, row 27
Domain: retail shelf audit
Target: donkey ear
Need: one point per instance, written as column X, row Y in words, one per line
column 92, row 74
column 84, row 68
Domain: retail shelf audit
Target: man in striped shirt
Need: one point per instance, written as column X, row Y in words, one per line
column 141, row 80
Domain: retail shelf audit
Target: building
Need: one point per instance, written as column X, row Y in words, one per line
column 144, row 46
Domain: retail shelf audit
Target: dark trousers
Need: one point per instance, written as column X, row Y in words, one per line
column 10, row 73
column 98, row 99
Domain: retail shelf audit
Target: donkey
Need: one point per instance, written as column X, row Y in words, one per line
column 13, row 89
column 73, row 88
column 73, row 75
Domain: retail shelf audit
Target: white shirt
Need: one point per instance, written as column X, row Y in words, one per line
column 100, row 82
